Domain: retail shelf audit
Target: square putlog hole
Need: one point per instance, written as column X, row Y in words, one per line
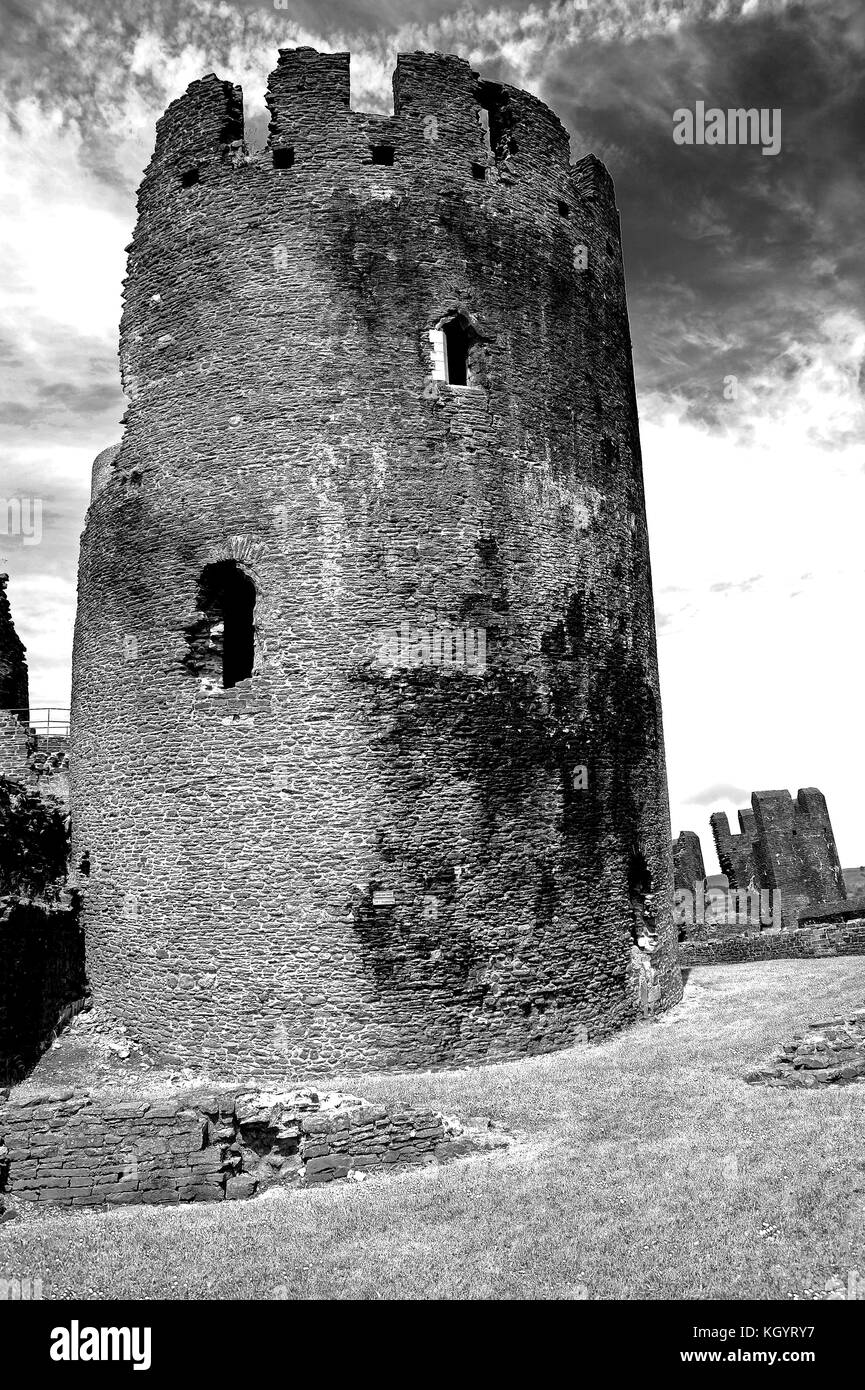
column 382, row 154
column 283, row 158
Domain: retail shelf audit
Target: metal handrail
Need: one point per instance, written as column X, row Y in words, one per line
column 45, row 721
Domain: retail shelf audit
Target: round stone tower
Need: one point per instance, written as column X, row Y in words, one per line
column 368, row 764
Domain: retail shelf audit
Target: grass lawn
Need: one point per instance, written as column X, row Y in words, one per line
column 643, row 1168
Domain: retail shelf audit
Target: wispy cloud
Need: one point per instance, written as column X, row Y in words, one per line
column 717, row 793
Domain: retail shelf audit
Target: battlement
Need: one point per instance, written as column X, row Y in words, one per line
column 738, row 854
column 810, row 803
column 443, row 111
column 454, row 197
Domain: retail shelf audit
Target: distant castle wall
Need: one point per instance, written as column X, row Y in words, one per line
column 784, row 845
column 836, row 939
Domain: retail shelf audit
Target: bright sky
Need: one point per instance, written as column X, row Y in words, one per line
column 737, row 264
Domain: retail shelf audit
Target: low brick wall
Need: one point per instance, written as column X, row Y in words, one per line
column 842, row 939
column 42, row 983
column 73, row 1150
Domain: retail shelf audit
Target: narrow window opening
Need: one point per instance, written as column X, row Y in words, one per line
column 479, row 172
column 456, row 351
column 453, row 342
column 640, row 894
column 564, row 210
column 189, row 177
column 222, row 639
column 283, row 158
column 496, row 118
column 382, row 154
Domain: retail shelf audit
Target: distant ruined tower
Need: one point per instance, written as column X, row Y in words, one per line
column 364, row 588
column 689, row 872
column 784, row 845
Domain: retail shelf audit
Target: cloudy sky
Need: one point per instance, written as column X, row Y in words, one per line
column 739, row 265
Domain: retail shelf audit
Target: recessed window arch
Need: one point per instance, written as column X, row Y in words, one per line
column 453, row 340
column 222, row 640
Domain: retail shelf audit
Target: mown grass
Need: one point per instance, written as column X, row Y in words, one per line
column 644, row 1168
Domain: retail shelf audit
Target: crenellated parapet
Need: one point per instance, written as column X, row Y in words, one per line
column 468, row 183
column 738, row 855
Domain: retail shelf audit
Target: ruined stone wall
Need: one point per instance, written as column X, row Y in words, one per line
column 688, row 867
column 39, row 763
column 838, row 939
column 798, row 851
column 42, row 982
column 14, row 690
column 24, row 757
column 738, row 855
column 15, row 748
column 344, row 861
column 68, row 1149
column 828, row 1053
column 48, row 767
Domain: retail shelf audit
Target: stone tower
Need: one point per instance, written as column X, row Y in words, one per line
column 364, row 590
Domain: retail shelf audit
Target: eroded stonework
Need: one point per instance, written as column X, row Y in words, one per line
column 831, row 1052
column 379, row 381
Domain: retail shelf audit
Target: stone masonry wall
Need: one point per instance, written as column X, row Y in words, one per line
column 845, row 939
column 15, row 748
column 14, row 689
column 352, row 862
column 798, row 851
column 738, row 855
column 70, row 1150
column 688, row 867
column 830, row 1052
